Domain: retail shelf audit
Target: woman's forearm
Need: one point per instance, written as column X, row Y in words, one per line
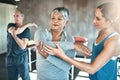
column 87, row 67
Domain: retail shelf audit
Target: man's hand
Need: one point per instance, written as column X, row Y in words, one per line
column 31, row 25
column 22, row 28
column 10, row 30
column 13, row 31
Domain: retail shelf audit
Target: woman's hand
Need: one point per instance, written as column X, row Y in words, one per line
column 54, row 51
column 40, row 50
column 82, row 49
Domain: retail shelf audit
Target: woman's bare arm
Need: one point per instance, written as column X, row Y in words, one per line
column 107, row 53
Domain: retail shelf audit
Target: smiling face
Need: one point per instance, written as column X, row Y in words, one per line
column 57, row 21
column 99, row 21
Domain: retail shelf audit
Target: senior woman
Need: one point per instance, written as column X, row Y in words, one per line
column 51, row 67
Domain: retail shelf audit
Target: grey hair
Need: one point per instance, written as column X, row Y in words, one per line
column 64, row 11
column 22, row 14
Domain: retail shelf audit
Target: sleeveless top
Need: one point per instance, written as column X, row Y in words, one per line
column 109, row 70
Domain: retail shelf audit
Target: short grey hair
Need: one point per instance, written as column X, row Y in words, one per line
column 64, row 11
column 22, row 14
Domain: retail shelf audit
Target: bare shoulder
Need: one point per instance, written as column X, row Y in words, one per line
column 113, row 43
column 117, row 46
column 114, row 39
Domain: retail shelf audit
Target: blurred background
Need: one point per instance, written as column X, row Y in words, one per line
column 38, row 11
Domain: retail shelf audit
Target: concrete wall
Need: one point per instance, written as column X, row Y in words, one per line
column 6, row 16
column 82, row 13
column 38, row 11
